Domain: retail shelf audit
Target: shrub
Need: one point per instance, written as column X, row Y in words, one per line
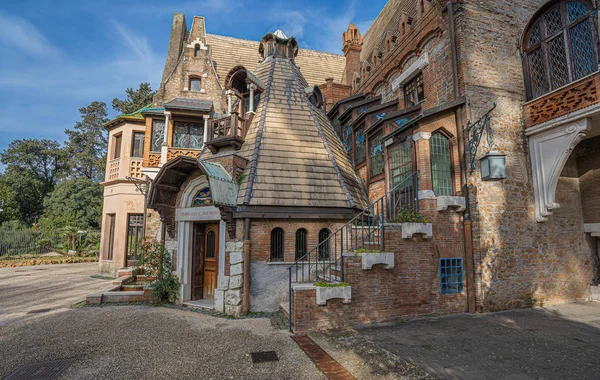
column 155, row 260
column 410, row 215
column 323, row 284
column 362, row 250
column 166, row 290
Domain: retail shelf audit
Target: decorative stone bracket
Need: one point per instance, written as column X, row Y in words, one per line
column 324, row 294
column 592, row 228
column 409, row 230
column 550, row 145
column 446, row 201
column 370, row 259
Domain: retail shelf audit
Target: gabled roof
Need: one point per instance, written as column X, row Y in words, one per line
column 295, row 157
column 316, row 66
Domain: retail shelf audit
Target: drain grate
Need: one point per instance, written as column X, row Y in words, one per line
column 36, row 311
column 41, row 371
column 264, row 357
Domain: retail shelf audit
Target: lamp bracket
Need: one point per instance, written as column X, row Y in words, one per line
column 475, row 132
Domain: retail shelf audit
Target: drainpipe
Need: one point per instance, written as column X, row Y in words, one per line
column 246, row 299
column 471, row 300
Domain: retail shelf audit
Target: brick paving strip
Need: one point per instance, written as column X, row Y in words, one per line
column 331, row 368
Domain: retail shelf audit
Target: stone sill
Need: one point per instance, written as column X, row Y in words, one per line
column 290, row 263
column 324, row 293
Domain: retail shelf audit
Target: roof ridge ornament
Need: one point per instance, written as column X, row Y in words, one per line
column 279, row 33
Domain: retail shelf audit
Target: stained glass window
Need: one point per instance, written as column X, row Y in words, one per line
column 560, row 49
column 202, row 198
column 158, row 135
column 376, row 155
column 187, row 135
column 441, row 169
column 361, row 145
column 347, row 137
column 400, row 161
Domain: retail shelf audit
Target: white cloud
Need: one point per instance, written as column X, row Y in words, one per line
column 20, row 34
column 290, row 22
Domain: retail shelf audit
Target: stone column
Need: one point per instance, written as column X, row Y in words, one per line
column 252, row 88
column 228, row 295
column 205, row 136
column 228, row 93
column 165, row 145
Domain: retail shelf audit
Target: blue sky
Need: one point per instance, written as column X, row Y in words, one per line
column 58, row 56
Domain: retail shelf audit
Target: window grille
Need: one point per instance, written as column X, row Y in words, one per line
column 324, row 243
column 361, row 148
column 187, row 135
column 158, row 135
column 441, row 168
column 451, row 276
column 195, row 84
column 277, row 244
column 560, row 48
column 111, row 236
column 376, row 155
column 301, row 245
column 137, row 149
column 135, row 231
column 400, row 161
column 211, row 245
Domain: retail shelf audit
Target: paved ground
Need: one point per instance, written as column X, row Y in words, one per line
column 37, row 287
column 560, row 342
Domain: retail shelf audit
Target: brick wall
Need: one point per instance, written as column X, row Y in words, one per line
column 588, row 167
column 410, row 289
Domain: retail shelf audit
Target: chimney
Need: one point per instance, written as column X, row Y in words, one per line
column 352, row 42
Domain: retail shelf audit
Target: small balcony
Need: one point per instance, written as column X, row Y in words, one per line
column 565, row 100
column 228, row 131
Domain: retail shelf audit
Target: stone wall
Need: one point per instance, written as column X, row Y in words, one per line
column 410, row 289
column 228, row 295
column 588, row 167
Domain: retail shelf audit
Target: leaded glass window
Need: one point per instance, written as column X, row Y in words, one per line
column 158, row 135
column 361, row 145
column 401, row 164
column 187, row 135
column 347, row 137
column 202, row 198
column 560, row 48
column 441, row 168
column 376, row 155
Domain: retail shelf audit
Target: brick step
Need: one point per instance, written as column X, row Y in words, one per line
column 124, row 272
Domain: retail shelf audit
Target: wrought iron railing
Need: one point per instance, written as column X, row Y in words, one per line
column 325, row 262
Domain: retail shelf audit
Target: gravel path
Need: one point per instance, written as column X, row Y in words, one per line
column 145, row 342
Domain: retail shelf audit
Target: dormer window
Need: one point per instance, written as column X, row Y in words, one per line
column 197, row 51
column 195, row 84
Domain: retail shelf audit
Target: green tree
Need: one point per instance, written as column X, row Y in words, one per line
column 74, row 202
column 29, row 193
column 87, row 143
column 136, row 99
column 10, row 207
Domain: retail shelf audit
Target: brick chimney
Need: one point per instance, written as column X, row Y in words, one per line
column 352, row 42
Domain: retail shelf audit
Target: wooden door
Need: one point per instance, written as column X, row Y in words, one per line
column 211, row 260
column 198, row 262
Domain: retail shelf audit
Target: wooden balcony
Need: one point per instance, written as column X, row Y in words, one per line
column 575, row 96
column 227, row 131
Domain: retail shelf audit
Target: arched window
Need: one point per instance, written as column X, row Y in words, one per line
column 301, row 245
column 559, row 47
column 277, row 244
column 211, row 244
column 197, row 51
column 441, row 168
column 194, row 84
column 324, row 244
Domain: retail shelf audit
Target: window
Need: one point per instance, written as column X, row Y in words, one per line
column 376, row 155
column 111, row 236
column 137, row 145
column 117, row 141
column 413, row 91
column 400, row 162
column 301, row 245
column 202, row 198
column 559, row 48
column 211, row 244
column 187, row 135
column 361, row 149
column 451, row 276
column 347, row 137
column 441, row 169
column 277, row 244
column 135, row 223
column 194, row 84
column 324, row 243
column 158, row 135
column 197, row 51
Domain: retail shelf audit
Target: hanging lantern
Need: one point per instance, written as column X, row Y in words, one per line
column 493, row 166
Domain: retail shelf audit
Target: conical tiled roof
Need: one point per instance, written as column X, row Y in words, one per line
column 295, row 157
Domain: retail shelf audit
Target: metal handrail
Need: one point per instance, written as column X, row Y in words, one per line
column 325, row 262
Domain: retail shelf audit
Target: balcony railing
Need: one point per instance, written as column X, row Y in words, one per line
column 227, row 131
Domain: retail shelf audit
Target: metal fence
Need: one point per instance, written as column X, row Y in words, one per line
column 30, row 242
